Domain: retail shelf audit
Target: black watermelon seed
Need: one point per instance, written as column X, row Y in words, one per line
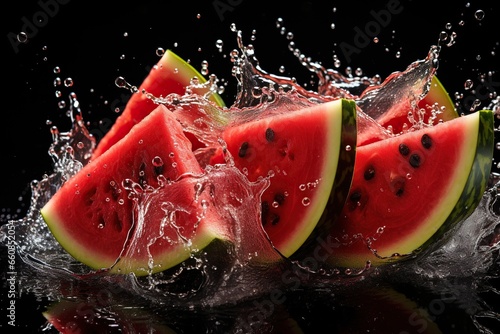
column 369, row 173
column 279, row 198
column 269, row 134
column 355, row 196
column 274, row 219
column 426, row 141
column 264, row 212
column 415, row 160
column 404, row 149
column 158, row 170
column 243, row 149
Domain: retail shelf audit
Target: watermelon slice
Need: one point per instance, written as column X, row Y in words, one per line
column 309, row 154
column 170, row 75
column 94, row 215
column 437, row 99
column 407, row 191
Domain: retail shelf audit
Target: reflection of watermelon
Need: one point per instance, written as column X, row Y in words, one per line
column 408, row 190
column 69, row 316
column 92, row 215
column 309, row 152
column 170, row 75
column 382, row 309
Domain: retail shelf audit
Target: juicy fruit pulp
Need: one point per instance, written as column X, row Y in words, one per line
column 409, row 190
column 94, row 215
column 436, row 103
column 171, row 75
column 309, row 154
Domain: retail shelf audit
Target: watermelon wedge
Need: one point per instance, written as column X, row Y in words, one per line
column 409, row 190
column 437, row 99
column 104, row 217
column 170, row 75
column 309, row 154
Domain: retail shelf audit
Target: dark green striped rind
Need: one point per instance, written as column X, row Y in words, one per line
column 478, row 177
column 342, row 182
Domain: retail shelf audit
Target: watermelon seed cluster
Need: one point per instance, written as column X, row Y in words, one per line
column 398, row 183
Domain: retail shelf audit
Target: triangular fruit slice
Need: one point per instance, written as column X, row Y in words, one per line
column 94, row 215
column 409, row 190
column 309, row 154
column 437, row 102
column 170, row 75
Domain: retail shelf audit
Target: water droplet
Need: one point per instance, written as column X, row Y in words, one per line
column 58, row 93
column 218, row 44
column 275, row 204
column 198, row 15
column 204, row 67
column 479, row 14
column 125, row 34
column 332, row 26
column 22, row 37
column 68, row 82
column 468, row 84
column 57, row 70
column 279, row 22
column 302, row 187
column 160, row 52
column 306, row 201
column 348, row 148
column 157, row 161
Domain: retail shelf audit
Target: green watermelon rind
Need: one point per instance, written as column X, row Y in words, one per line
column 179, row 62
column 338, row 171
column 81, row 249
column 343, row 178
column 477, row 180
column 438, row 94
column 471, row 192
column 205, row 235
column 464, row 192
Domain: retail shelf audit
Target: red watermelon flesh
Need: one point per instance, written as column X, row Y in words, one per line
column 435, row 101
column 410, row 189
column 308, row 154
column 170, row 75
column 396, row 118
column 94, row 215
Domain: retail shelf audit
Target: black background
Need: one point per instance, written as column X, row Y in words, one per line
column 86, row 40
